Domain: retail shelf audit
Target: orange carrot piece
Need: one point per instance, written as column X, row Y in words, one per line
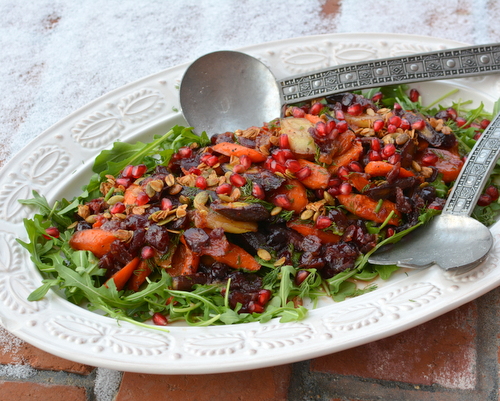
column 296, row 192
column 234, row 149
column 307, row 229
column 184, row 261
column 130, row 196
column 319, row 175
column 448, row 164
column 360, row 181
column 94, row 240
column 122, row 276
column 238, row 258
column 312, row 118
column 364, row 207
column 381, row 169
column 139, row 276
column 350, row 155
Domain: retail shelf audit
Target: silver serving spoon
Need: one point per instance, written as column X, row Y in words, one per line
column 227, row 90
column 453, row 240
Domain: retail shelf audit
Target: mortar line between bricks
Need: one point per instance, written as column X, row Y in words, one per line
column 487, row 344
column 58, row 378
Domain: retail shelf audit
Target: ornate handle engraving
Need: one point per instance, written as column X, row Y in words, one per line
column 475, row 172
column 444, row 64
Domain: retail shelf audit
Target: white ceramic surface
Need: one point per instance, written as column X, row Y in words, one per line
column 58, row 163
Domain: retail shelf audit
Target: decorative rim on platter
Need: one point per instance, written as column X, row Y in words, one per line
column 58, row 162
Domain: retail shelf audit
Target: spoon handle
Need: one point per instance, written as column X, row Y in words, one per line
column 475, row 172
column 443, row 64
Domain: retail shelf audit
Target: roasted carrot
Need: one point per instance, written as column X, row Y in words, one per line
column 448, row 163
column 313, row 118
column 130, row 196
column 319, row 175
column 122, row 276
column 184, row 261
column 308, row 229
column 94, row 240
column 296, row 194
column 234, row 149
column 350, row 155
column 381, row 169
column 238, row 258
column 360, row 181
column 366, row 208
column 139, row 276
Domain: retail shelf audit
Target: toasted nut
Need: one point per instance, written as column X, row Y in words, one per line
column 184, row 200
column 225, row 198
column 200, row 200
column 427, row 172
column 329, row 198
column 263, row 254
column 388, row 139
column 402, row 139
column 235, row 194
column 276, row 210
column 280, row 261
column 175, row 189
column 107, row 215
column 157, row 185
column 316, row 215
column 91, row 219
column 446, row 130
column 123, row 235
column 370, row 111
column 150, row 191
column 306, row 214
column 181, row 211
column 417, row 167
column 170, row 180
column 83, row 211
column 120, row 216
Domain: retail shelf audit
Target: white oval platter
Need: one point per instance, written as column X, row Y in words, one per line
column 58, row 162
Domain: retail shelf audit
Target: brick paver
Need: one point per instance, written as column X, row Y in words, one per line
column 17, row 391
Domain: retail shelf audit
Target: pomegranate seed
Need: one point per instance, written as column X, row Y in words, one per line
column 355, row 109
column 147, row 252
column 334, row 191
column 484, row 123
column 124, row 182
column 330, row 126
column 201, row 183
column 377, row 97
column 378, row 125
column 277, row 167
column 264, row 297
column 51, row 232
column 297, row 112
column 205, row 156
column 435, row 206
column 239, row 168
column 194, row 170
column 388, row 150
column 254, row 307
column 301, row 276
column 391, row 128
column 484, row 200
column 345, row 188
column 405, row 124
column 279, row 156
column 303, row 173
column 452, row 113
column 316, row 109
column 118, row 207
column 224, row 189
column 429, row 159
column 374, row 156
column 293, row 165
column 375, row 145
column 390, row 232
column 100, row 221
column 460, row 121
column 414, row 95
column 284, row 142
column 159, row 319
column 418, row 125
column 395, row 120
column 139, row 170
column 342, row 127
column 142, row 198
column 258, row 191
column 320, row 193
column 492, row 191
column 396, row 158
column 166, row 204
column 343, row 172
column 184, row 153
column 339, row 115
column 245, row 161
column 323, row 222
column 283, row 201
column 211, row 161
column 321, row 128
column 355, row 166
column 397, row 107
column 334, row 182
column 127, row 171
column 237, row 180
